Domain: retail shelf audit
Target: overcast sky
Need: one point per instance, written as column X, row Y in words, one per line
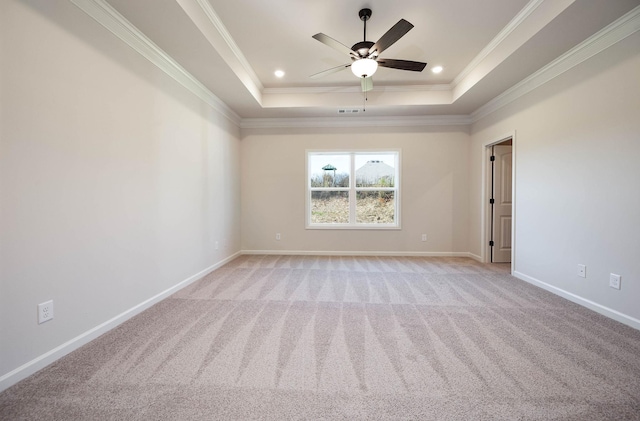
column 342, row 161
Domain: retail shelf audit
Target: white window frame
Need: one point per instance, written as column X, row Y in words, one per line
column 352, row 189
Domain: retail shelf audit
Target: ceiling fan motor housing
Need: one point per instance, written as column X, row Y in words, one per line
column 362, row 48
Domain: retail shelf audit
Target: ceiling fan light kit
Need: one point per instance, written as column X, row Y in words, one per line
column 365, row 54
column 364, row 67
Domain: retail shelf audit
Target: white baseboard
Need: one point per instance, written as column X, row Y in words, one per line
column 362, row 253
column 598, row 308
column 55, row 354
column 475, row 257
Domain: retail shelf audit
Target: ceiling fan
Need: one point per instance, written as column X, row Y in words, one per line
column 365, row 54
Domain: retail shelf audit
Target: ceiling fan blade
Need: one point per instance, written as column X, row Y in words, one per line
column 396, row 32
column 414, row 66
column 327, row 40
column 330, row 71
column 366, row 83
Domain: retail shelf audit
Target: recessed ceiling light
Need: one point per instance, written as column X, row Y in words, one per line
column 437, row 69
column 279, row 73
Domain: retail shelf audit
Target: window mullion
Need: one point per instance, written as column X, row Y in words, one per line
column 352, row 191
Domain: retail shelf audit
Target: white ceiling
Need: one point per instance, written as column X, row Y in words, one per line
column 485, row 47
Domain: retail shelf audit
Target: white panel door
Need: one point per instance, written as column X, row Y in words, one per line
column 502, row 205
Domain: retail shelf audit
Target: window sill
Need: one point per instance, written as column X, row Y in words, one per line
column 353, row 227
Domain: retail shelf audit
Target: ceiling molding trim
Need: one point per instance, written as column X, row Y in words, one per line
column 338, row 122
column 354, row 89
column 502, row 35
column 231, row 43
column 600, row 41
column 107, row 16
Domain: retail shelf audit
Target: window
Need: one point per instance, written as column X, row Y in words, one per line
column 353, row 190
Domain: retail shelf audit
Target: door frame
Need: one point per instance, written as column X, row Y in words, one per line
column 485, row 209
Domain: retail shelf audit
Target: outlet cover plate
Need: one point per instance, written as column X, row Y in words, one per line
column 45, row 311
column 582, row 271
column 614, row 280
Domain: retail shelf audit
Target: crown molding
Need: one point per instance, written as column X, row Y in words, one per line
column 215, row 32
column 605, row 38
column 111, row 19
column 231, row 43
column 502, row 35
column 107, row 16
column 302, row 90
column 351, row 121
column 600, row 41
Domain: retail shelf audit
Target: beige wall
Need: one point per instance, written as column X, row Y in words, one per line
column 433, row 188
column 115, row 182
column 577, row 181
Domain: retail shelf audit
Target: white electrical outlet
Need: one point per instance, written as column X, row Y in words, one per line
column 278, row 236
column 424, row 237
column 614, row 280
column 582, row 271
column 45, row 311
column 216, row 245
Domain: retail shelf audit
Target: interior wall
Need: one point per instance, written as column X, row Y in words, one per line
column 577, row 181
column 115, row 182
column 434, row 189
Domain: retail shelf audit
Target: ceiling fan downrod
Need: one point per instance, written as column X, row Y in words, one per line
column 365, row 15
column 362, row 48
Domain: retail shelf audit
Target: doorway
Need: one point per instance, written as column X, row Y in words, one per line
column 499, row 199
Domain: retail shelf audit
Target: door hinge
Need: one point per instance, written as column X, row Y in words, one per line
column 493, row 158
column 492, row 201
column 491, row 243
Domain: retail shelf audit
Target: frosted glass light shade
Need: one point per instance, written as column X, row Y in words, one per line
column 364, row 67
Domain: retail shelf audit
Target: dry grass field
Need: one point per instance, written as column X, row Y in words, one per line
column 370, row 209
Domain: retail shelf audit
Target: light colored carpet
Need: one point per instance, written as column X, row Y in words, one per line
column 293, row 337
